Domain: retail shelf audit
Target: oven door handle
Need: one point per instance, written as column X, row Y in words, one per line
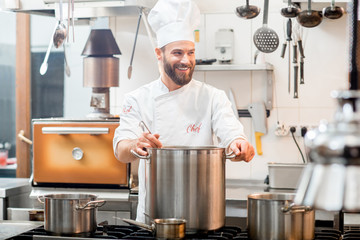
column 75, row 130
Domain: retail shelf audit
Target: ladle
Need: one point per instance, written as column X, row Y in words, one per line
column 247, row 11
column 44, row 65
column 333, row 12
column 290, row 11
column 60, row 32
column 309, row 18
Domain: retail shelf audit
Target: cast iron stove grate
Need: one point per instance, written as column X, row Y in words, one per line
column 134, row 232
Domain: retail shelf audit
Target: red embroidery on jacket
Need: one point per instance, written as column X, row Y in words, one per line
column 127, row 109
column 193, row 128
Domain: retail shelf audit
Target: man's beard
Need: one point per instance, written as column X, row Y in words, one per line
column 180, row 79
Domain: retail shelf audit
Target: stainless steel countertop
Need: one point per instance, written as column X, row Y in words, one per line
column 118, row 195
column 239, row 189
column 12, row 228
column 14, row 186
column 236, row 189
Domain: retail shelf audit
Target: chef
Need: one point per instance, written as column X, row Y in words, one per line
column 178, row 110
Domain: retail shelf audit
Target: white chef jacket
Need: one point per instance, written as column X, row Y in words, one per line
column 189, row 116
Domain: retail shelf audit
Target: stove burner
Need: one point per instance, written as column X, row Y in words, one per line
column 134, row 232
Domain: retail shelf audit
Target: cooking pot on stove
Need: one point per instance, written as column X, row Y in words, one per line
column 169, row 228
column 70, row 214
column 187, row 183
column 273, row 216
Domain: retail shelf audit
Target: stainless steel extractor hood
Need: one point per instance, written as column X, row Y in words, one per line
column 82, row 8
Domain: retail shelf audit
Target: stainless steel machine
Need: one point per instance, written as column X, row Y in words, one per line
column 101, row 70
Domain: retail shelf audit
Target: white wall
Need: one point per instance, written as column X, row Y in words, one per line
column 326, row 67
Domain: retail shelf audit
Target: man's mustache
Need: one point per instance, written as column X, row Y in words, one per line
column 183, row 65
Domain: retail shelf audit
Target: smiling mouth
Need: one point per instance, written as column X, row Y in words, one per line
column 182, row 69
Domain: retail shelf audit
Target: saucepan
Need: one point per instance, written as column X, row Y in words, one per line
column 274, row 216
column 70, row 214
column 166, row 228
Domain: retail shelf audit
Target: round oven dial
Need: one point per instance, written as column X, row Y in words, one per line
column 77, row 153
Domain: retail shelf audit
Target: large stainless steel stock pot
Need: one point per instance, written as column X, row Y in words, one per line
column 188, row 183
column 70, row 214
column 273, row 216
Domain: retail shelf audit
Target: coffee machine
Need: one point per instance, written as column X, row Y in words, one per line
column 224, row 44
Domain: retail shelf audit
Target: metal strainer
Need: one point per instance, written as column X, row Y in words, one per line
column 266, row 39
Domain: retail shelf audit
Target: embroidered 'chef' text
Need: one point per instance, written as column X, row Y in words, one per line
column 193, row 128
column 127, row 109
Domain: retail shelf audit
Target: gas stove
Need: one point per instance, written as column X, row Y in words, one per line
column 134, row 232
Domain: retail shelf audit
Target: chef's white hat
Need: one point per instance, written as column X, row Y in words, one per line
column 174, row 20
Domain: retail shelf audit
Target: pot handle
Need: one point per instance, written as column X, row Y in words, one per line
column 41, row 199
column 139, row 224
column 147, row 157
column 91, row 205
column 292, row 208
column 230, row 155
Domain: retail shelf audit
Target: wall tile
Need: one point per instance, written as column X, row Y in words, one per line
column 238, row 81
column 237, row 170
column 313, row 116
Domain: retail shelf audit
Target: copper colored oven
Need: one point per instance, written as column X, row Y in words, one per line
column 76, row 152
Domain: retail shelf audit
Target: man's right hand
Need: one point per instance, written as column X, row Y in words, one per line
column 147, row 140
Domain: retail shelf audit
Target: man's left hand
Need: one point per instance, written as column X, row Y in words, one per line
column 243, row 150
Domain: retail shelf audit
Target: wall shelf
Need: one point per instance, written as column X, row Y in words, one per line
column 268, row 95
column 318, row 1
column 232, row 67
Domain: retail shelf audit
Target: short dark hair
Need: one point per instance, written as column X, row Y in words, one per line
column 163, row 49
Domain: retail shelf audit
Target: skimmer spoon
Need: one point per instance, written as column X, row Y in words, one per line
column 266, row 39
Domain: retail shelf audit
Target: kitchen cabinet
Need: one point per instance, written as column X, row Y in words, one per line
column 268, row 91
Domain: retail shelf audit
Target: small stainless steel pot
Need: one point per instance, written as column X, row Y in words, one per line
column 70, row 214
column 272, row 216
column 167, row 228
